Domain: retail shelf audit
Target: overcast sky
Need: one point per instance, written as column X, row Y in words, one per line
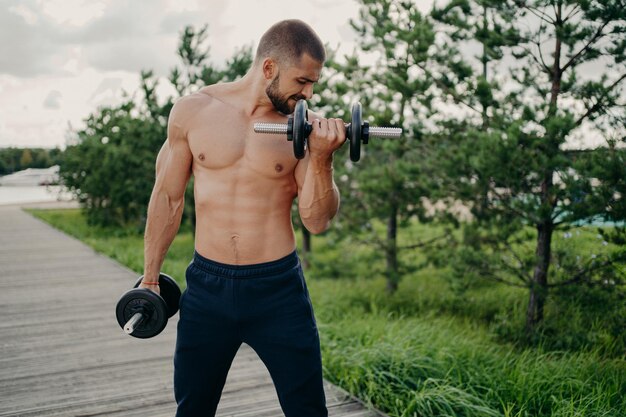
column 61, row 59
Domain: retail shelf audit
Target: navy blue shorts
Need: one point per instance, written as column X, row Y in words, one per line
column 266, row 306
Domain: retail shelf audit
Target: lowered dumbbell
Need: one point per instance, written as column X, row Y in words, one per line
column 298, row 130
column 143, row 313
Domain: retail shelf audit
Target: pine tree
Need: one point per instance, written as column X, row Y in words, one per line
column 515, row 158
column 387, row 183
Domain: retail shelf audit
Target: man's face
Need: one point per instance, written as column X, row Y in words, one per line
column 295, row 84
column 280, row 101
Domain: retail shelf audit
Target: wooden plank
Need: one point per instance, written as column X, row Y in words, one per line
column 62, row 352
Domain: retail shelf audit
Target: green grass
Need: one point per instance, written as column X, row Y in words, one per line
column 428, row 350
column 431, row 364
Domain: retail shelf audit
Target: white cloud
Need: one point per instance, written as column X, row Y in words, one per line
column 72, row 12
column 118, row 55
column 53, row 100
column 177, row 6
column 61, row 59
column 25, row 13
column 26, row 50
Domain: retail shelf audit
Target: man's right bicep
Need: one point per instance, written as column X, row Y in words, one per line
column 173, row 168
column 173, row 165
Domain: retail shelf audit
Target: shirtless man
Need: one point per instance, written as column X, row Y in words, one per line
column 245, row 283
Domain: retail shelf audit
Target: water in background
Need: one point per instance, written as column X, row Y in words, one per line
column 33, row 194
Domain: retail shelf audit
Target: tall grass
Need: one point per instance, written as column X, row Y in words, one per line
column 428, row 350
column 441, row 366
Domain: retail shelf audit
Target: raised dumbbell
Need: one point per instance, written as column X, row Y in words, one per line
column 298, row 130
column 143, row 313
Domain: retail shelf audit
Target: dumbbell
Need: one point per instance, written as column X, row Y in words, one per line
column 298, row 129
column 143, row 313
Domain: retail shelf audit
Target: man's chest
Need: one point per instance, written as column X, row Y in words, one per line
column 220, row 147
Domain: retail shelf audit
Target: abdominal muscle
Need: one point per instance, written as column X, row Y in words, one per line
column 242, row 220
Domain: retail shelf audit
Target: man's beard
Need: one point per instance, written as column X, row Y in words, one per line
column 280, row 102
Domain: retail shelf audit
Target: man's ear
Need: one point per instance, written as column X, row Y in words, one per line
column 269, row 68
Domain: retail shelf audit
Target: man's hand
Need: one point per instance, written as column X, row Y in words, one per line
column 326, row 137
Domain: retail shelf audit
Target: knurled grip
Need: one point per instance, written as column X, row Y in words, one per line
column 271, row 128
column 385, row 132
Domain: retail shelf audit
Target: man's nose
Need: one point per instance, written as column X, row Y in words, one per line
column 307, row 91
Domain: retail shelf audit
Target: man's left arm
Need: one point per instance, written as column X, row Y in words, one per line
column 318, row 195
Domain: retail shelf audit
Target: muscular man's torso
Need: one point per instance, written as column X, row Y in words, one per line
column 244, row 183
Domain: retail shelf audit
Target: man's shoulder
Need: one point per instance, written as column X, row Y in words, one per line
column 186, row 107
column 194, row 100
column 220, row 91
column 205, row 97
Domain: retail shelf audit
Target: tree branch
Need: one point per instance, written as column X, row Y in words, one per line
column 509, row 208
column 517, row 271
column 598, row 104
column 375, row 241
column 490, row 275
column 446, row 89
column 557, row 12
column 593, row 39
column 573, row 13
column 543, row 62
column 425, row 243
column 540, row 61
column 540, row 14
column 581, row 275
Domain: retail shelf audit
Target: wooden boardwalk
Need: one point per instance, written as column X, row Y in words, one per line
column 63, row 354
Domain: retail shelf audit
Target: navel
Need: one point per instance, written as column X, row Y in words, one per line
column 234, row 240
column 278, row 168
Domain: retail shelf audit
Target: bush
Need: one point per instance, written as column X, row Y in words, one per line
column 111, row 169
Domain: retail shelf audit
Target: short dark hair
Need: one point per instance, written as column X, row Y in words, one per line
column 287, row 40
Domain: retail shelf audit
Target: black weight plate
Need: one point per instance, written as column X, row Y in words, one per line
column 299, row 129
column 169, row 290
column 147, row 302
column 355, row 132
